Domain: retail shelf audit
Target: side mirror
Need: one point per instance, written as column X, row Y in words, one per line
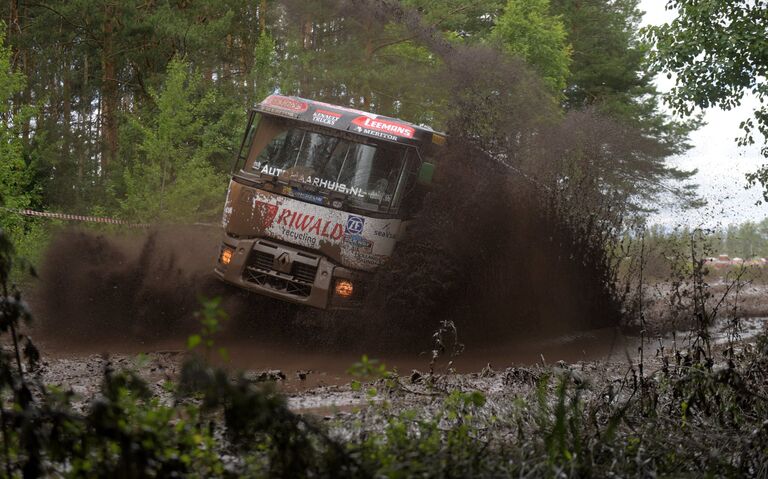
column 426, row 172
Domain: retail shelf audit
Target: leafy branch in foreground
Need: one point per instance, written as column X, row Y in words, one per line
column 717, row 51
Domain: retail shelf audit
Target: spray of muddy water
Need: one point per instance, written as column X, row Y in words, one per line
column 97, row 286
column 503, row 246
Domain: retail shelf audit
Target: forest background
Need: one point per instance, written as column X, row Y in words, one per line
column 134, row 109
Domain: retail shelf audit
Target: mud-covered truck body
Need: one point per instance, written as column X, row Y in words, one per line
column 319, row 197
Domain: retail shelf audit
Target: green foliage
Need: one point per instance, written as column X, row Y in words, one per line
column 716, row 51
column 265, row 68
column 16, row 188
column 175, row 134
column 172, row 179
column 30, row 246
column 129, row 434
column 609, row 70
column 471, row 21
column 746, row 240
column 211, row 318
column 370, row 370
column 527, row 28
column 444, row 445
column 125, row 432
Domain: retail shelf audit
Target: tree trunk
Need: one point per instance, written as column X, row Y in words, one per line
column 19, row 62
column 67, row 117
column 14, row 28
column 109, row 91
column 262, row 17
column 365, row 90
column 307, row 45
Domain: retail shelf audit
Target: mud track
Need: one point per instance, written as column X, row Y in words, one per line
column 131, row 301
column 108, row 297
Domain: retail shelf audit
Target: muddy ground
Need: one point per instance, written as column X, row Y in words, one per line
column 132, row 305
column 316, row 380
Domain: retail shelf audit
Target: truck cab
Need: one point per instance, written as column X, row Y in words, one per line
column 319, row 197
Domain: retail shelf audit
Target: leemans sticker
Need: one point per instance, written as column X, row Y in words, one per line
column 382, row 128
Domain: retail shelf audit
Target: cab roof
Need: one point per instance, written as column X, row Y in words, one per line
column 349, row 120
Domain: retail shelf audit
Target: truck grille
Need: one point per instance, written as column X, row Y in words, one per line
column 260, row 271
column 267, row 280
column 304, row 272
column 262, row 260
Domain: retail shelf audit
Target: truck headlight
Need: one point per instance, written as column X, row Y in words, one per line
column 344, row 288
column 226, row 255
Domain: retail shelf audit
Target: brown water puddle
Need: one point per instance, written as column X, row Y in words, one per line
column 305, row 368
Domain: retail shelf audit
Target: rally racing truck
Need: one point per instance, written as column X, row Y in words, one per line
column 319, row 196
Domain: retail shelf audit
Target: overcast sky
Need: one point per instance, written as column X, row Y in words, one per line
column 721, row 163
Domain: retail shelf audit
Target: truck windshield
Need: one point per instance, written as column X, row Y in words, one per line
column 368, row 175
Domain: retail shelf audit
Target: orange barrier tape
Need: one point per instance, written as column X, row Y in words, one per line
column 68, row 217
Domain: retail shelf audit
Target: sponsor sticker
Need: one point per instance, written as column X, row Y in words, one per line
column 369, row 260
column 358, row 242
column 382, row 128
column 331, row 185
column 355, row 224
column 311, row 224
column 325, row 117
column 384, row 232
column 285, row 103
column 267, row 213
column 265, row 169
column 270, row 170
column 305, row 196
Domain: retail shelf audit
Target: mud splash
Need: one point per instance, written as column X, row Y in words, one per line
column 140, row 285
column 510, row 241
column 503, row 246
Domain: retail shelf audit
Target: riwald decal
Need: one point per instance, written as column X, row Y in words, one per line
column 351, row 240
column 316, row 225
column 266, row 211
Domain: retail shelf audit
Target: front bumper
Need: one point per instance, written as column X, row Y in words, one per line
column 283, row 272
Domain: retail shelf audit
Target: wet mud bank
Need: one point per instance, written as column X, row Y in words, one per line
column 319, row 383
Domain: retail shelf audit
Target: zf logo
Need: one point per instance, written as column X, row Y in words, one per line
column 355, row 225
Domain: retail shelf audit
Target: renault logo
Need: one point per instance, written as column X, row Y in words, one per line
column 284, row 259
